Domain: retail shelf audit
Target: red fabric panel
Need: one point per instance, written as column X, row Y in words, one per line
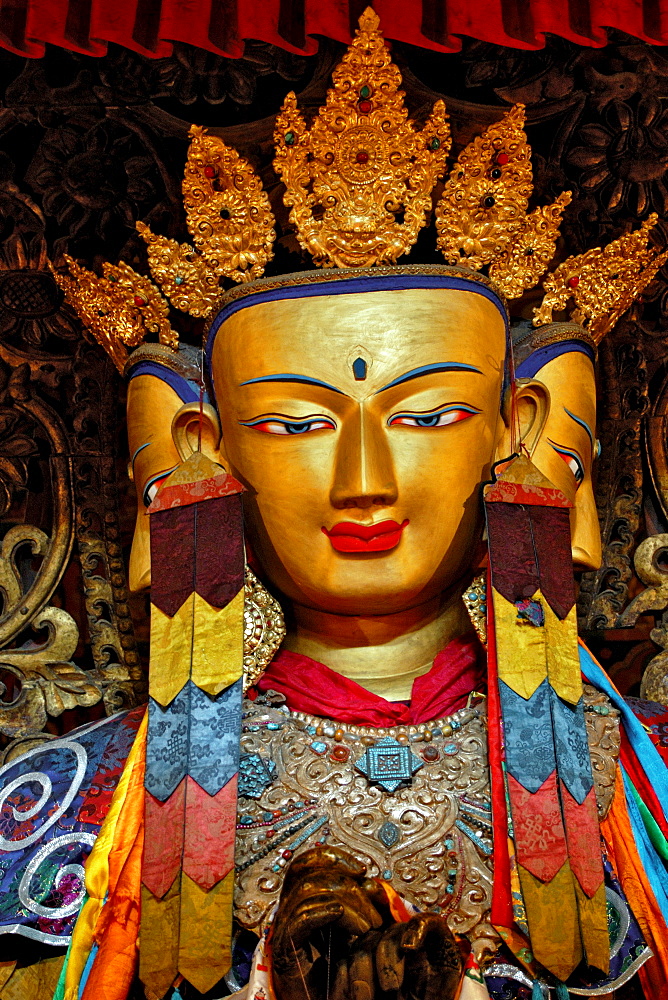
column 582, row 831
column 501, row 914
column 312, row 687
column 150, row 26
column 540, row 840
column 163, row 846
column 208, row 850
column 184, row 494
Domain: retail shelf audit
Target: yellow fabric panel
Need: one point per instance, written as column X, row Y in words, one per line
column 34, row 982
column 554, row 926
column 218, row 645
column 205, row 949
column 520, row 649
column 195, row 468
column 563, row 661
column 6, row 971
column 171, row 648
column 200, row 642
column 594, row 925
column 159, row 938
column 97, row 868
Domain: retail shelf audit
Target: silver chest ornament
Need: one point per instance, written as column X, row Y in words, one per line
column 410, row 802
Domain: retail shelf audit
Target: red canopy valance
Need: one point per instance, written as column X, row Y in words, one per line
column 150, row 26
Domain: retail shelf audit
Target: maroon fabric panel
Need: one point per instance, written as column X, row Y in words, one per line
column 512, row 556
column 552, row 538
column 172, row 557
column 150, row 26
column 220, row 549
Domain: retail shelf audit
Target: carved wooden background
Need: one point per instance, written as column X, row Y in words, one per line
column 88, row 146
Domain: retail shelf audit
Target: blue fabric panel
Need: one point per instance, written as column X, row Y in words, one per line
column 570, row 738
column 88, row 966
column 533, row 364
column 528, row 735
column 644, row 749
column 167, row 744
column 214, row 737
column 195, row 734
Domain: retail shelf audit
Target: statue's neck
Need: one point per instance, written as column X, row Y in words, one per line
column 382, row 653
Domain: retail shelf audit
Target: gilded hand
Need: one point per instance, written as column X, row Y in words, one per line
column 335, row 939
column 324, row 888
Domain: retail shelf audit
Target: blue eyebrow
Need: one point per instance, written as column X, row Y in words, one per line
column 290, row 377
column 451, row 366
column 582, row 424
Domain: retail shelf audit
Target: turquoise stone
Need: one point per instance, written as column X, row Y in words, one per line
column 388, row 834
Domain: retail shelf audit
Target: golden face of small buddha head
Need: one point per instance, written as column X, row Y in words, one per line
column 362, row 426
column 152, row 406
column 567, row 447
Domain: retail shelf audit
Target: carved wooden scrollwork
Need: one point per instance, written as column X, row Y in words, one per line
column 44, row 680
column 651, row 563
column 56, row 549
column 623, row 401
column 57, row 432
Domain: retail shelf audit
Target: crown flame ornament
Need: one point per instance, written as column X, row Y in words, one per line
column 359, row 182
column 359, row 185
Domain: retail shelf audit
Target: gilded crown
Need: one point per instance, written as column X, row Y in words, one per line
column 359, row 184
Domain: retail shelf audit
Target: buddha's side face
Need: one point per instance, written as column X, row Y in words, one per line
column 151, row 406
column 362, row 427
column 565, row 451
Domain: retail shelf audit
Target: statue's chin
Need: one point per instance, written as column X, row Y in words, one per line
column 364, row 598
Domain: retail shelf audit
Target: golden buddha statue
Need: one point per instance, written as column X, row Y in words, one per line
column 360, row 422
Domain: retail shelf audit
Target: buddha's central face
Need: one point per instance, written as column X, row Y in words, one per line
column 362, row 426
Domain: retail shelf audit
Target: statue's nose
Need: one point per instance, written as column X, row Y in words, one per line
column 363, row 468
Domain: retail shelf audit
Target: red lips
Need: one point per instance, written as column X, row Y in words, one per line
column 348, row 536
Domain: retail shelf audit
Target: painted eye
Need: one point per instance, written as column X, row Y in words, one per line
column 572, row 460
column 276, row 426
column 440, row 418
column 153, row 485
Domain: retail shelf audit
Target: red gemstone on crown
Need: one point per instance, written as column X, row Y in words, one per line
column 502, row 159
column 573, row 282
column 362, row 156
column 139, row 301
column 365, row 107
column 210, row 172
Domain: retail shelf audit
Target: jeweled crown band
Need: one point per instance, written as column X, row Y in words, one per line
column 353, row 281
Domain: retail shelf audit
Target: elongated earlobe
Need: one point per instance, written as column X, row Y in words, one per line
column 528, row 409
column 196, row 428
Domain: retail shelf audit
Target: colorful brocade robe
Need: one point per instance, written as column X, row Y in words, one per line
column 64, row 789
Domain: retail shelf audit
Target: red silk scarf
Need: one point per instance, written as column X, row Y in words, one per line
column 312, row 687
